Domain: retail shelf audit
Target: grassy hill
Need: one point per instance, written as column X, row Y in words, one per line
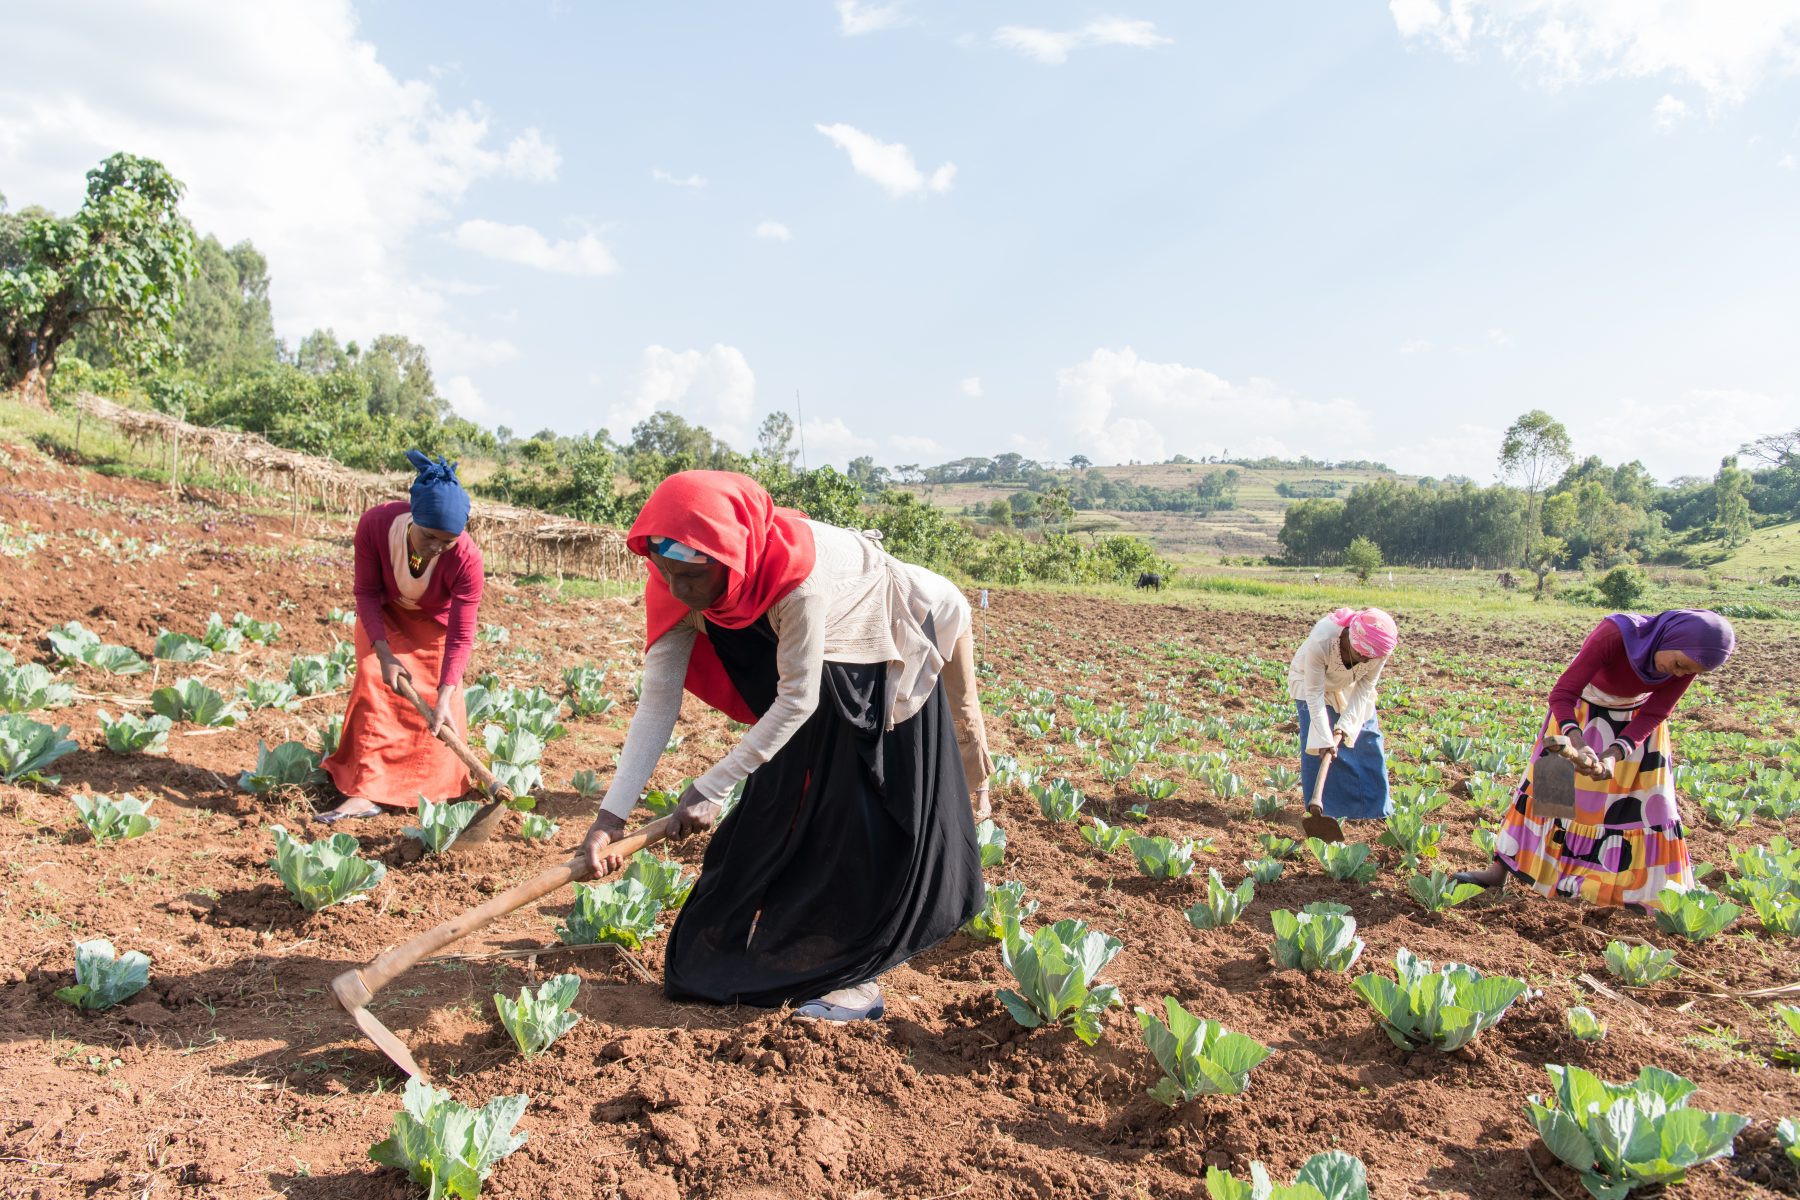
column 1245, row 531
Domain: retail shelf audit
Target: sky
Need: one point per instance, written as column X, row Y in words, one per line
column 1345, row 229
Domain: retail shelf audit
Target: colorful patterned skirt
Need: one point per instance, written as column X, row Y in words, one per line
column 1626, row 843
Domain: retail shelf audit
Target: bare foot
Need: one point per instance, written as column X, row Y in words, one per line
column 353, row 806
column 1487, row 877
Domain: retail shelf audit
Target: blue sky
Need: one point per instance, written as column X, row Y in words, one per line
column 1338, row 229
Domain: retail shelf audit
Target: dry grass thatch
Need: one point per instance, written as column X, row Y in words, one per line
column 516, row 539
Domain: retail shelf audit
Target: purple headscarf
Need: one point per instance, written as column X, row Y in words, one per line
column 1701, row 634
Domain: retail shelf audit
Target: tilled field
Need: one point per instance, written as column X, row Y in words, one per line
column 234, row 1074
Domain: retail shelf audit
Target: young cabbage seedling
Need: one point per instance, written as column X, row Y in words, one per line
column 103, row 976
column 120, row 820
column 1640, row 965
column 1223, row 905
column 621, row 913
column 1584, row 1024
column 326, row 872
column 990, row 839
column 441, row 824
column 1320, row 937
column 1198, row 1057
column 1056, row 969
column 446, row 1147
column 1695, row 914
column 1004, row 912
column 1444, row 1008
column 1332, row 1175
column 536, row 1019
column 1622, row 1137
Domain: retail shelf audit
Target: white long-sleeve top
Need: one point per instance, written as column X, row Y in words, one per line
column 859, row 605
column 1318, row 677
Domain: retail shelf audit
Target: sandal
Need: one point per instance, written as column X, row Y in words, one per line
column 821, row 1010
column 331, row 815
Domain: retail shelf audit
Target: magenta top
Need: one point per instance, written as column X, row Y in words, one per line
column 452, row 595
column 1604, row 663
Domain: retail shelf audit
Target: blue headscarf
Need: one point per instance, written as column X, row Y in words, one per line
column 438, row 500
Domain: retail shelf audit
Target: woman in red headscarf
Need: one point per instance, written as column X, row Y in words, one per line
column 852, row 848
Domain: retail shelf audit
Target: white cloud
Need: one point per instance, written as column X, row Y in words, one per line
column 715, row 388
column 830, row 440
column 774, row 231
column 1787, row 162
column 680, row 181
column 521, row 244
column 1054, row 46
column 1499, row 337
column 1415, row 346
column 915, row 444
column 1727, row 49
column 1121, row 408
column 1682, row 435
column 465, row 398
column 971, row 387
column 1668, row 111
column 856, row 18
column 1470, row 450
column 287, row 129
column 889, row 164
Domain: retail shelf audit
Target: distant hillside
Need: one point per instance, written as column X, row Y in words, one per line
column 1246, row 530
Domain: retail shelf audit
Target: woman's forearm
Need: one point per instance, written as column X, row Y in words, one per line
column 659, row 705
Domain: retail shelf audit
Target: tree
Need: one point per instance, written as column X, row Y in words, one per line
column 1053, row 508
column 400, row 383
column 320, row 353
column 1622, row 587
column 1731, row 500
column 1544, row 557
column 117, row 267
column 863, row 472
column 775, row 439
column 1362, row 556
column 1000, row 513
column 1080, row 462
column 1535, row 450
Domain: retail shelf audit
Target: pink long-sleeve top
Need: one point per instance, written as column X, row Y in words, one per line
column 452, row 596
column 1602, row 663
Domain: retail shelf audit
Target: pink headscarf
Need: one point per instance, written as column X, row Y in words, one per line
column 1373, row 633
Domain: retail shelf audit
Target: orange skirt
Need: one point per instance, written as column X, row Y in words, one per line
column 386, row 754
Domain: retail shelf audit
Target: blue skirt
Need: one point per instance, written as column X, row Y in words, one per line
column 1357, row 787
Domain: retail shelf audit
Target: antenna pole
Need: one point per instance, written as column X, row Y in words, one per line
column 800, row 424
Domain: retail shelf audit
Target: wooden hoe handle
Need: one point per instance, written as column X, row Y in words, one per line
column 1318, row 796
column 356, row 988
column 447, row 735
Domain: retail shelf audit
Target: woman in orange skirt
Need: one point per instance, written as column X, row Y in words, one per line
column 418, row 588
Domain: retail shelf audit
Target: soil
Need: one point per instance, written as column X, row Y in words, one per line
column 235, row 1075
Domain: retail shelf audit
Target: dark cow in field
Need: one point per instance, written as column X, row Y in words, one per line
column 1148, row 580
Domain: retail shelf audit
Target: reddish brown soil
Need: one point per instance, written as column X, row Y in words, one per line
column 234, row 1074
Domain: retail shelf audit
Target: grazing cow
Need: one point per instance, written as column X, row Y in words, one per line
column 1149, row 579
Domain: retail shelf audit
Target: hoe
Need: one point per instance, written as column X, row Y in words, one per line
column 354, row 989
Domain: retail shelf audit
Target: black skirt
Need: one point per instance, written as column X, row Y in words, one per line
column 852, row 849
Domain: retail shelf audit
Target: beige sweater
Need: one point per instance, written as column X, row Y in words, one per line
column 859, row 605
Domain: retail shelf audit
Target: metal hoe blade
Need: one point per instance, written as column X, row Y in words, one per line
column 354, row 995
column 1553, row 788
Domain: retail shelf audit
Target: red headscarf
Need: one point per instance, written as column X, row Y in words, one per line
column 767, row 552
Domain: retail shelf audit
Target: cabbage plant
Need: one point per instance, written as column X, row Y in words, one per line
column 1055, row 969
column 1332, row 1175
column 1640, row 965
column 1409, row 832
column 1622, row 1137
column 290, row 764
column 514, row 757
column 134, row 735
column 1276, row 846
column 536, row 827
column 586, row 784
column 1222, row 904
column 1443, row 1008
column 441, row 824
column 1439, row 890
column 327, row 872
column 585, row 696
column 1059, row 800
column 1787, row 1136
column 263, row 633
column 192, row 701
column 1342, row 860
column 27, row 747
column 29, row 687
column 329, row 734
column 445, row 1146
column 180, row 647
column 316, row 674
column 1320, row 937
column 117, row 660
column 72, row 643
column 1161, row 857
column 1103, row 837
column 1198, row 1057
column 221, row 638
column 1264, row 870
column 1003, row 912
column 120, row 820
column 536, row 1019
column 1584, row 1025
column 990, row 839
column 1695, row 914
column 270, row 693
column 103, row 976
column 1779, row 913
column 621, row 913
column 666, row 880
